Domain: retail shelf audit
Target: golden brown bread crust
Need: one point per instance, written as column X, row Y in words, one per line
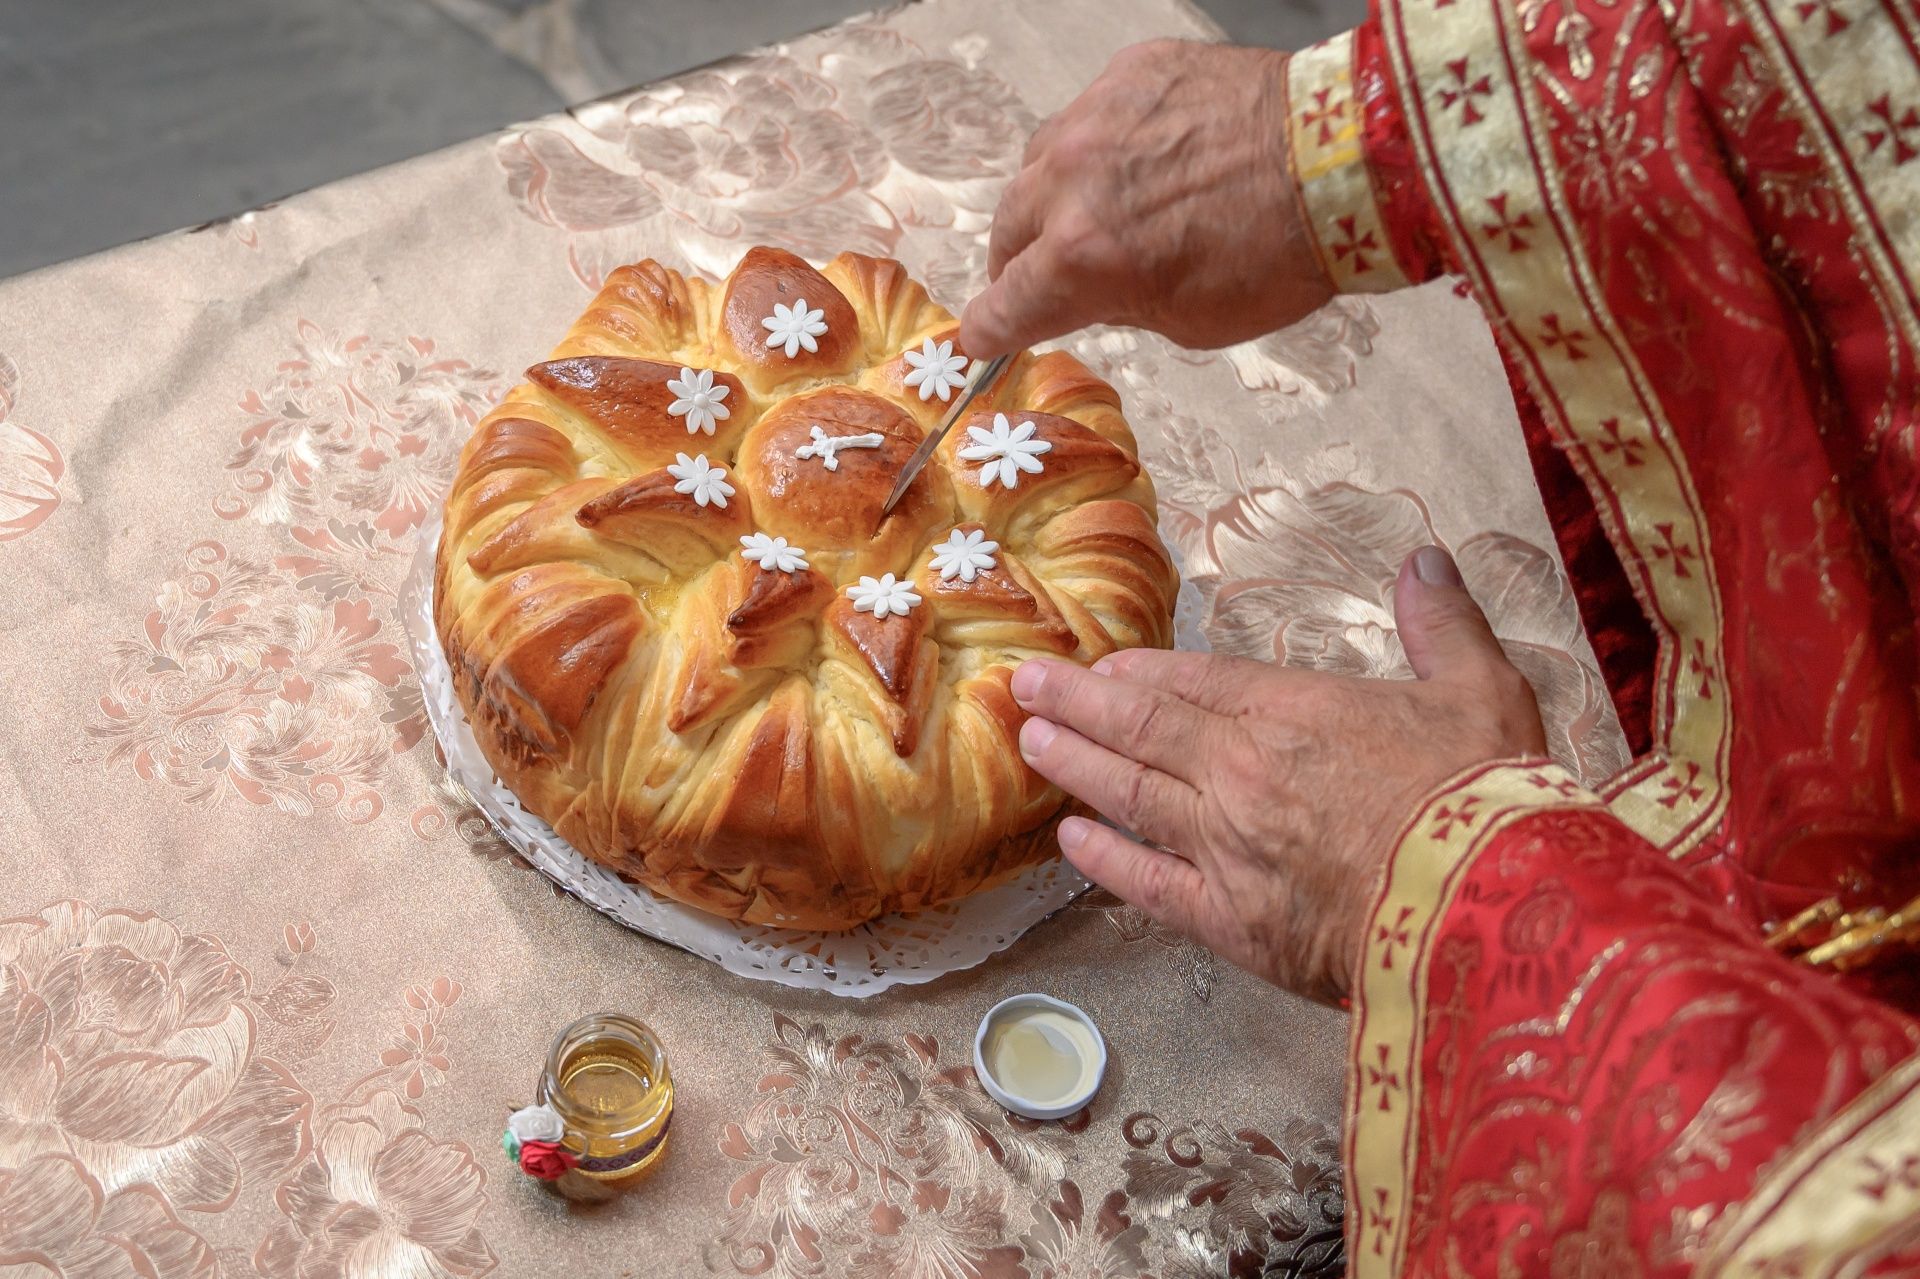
column 744, row 740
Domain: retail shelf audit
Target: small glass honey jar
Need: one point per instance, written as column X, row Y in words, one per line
column 607, row 1079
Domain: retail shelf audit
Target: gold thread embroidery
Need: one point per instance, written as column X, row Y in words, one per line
column 1330, row 171
column 1845, row 1193
column 1864, row 120
column 1435, row 852
column 1586, row 377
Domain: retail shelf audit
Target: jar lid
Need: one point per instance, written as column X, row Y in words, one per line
column 1040, row 1057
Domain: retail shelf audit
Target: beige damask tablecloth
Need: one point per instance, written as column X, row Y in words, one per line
column 268, row 987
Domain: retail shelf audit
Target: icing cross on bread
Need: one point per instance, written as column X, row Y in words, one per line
column 723, row 674
column 827, row 447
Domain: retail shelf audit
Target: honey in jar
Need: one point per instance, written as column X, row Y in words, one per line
column 607, row 1079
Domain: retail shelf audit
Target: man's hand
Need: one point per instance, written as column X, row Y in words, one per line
column 1279, row 791
column 1158, row 198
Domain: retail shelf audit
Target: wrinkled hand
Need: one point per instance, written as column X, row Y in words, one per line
column 1280, row 791
column 1158, row 198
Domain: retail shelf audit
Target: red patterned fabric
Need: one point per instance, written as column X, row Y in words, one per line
column 1791, row 394
column 1695, row 231
column 1609, row 1053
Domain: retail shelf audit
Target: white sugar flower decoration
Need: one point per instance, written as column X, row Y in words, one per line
column 827, row 447
column 699, row 400
column 936, row 370
column 708, row 484
column 536, row 1123
column 772, row 554
column 964, row 555
column 884, row 597
column 795, row 326
column 1007, row 450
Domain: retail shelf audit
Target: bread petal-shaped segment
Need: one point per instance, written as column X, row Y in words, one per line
column 893, row 307
column 889, row 378
column 1107, row 557
column 899, row 656
column 536, row 649
column 883, row 813
column 740, row 628
column 644, row 308
column 986, row 760
column 513, row 443
column 769, row 277
column 1058, row 383
column 547, row 531
column 988, row 791
column 769, row 789
column 508, row 461
column 1079, row 464
column 648, row 514
column 625, row 402
column 772, row 617
column 762, row 830
column 1004, row 607
column 709, row 682
column 993, row 593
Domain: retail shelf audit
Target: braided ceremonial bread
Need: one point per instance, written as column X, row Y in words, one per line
column 810, row 732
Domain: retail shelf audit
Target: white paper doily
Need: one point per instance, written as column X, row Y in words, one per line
column 896, row 950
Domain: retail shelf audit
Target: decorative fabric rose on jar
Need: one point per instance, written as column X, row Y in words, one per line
column 532, row 1140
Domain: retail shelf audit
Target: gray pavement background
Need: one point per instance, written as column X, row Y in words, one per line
column 121, row 119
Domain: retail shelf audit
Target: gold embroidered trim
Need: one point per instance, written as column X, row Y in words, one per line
column 1854, row 84
column 1436, row 849
column 1478, row 136
column 1841, row 1198
column 1330, row 170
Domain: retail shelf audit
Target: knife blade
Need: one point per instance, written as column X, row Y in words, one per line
column 983, row 376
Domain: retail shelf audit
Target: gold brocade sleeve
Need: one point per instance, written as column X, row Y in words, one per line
column 1845, row 1200
column 1569, row 1059
column 1417, row 889
column 1330, row 170
column 1690, row 230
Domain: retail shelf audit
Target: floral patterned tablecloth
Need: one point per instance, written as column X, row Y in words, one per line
column 268, row 986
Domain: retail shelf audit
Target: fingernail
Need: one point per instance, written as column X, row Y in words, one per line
column 1103, row 667
column 1027, row 680
column 1034, row 736
column 1435, row 567
column 1072, row 833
